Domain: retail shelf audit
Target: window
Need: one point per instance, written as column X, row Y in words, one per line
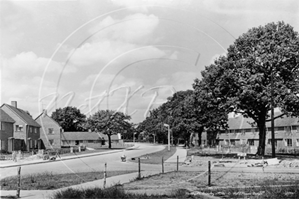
column 297, row 142
column 288, row 142
column 19, row 127
column 50, row 131
column 2, row 126
column 251, row 142
column 90, row 141
column 279, row 128
column 35, row 130
column 232, row 142
column 30, row 129
column 294, row 127
column 248, row 130
column 51, row 142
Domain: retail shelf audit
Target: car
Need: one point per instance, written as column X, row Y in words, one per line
column 51, row 155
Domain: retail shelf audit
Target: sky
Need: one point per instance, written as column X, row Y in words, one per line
column 123, row 55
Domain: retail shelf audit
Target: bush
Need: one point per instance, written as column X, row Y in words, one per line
column 4, row 152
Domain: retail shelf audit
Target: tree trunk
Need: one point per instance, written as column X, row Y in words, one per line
column 261, row 124
column 191, row 139
column 109, row 140
column 199, row 136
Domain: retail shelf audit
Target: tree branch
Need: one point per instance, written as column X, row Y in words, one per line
column 276, row 117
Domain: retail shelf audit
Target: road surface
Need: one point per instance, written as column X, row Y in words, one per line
column 94, row 163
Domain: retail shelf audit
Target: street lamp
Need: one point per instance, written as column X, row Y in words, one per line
column 167, row 125
column 272, row 115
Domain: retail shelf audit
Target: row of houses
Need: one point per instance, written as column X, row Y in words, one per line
column 241, row 132
column 19, row 131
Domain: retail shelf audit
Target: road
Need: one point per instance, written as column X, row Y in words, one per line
column 94, row 163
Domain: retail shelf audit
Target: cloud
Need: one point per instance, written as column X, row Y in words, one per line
column 132, row 29
column 21, row 77
column 128, row 34
column 28, row 63
column 144, row 5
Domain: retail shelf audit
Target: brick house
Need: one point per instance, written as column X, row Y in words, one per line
column 6, row 131
column 241, row 132
column 90, row 139
column 50, row 132
column 25, row 128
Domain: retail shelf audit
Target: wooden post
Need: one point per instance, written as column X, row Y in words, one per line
column 139, row 174
column 162, row 164
column 19, row 182
column 104, row 180
column 177, row 163
column 209, row 173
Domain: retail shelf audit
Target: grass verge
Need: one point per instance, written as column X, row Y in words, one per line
column 112, row 192
column 50, row 181
column 224, row 184
column 155, row 158
column 265, row 191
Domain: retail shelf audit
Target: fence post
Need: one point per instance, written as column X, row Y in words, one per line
column 209, row 174
column 162, row 164
column 104, row 180
column 177, row 163
column 19, row 182
column 139, row 174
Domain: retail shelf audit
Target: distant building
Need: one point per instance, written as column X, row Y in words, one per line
column 25, row 128
column 6, row 131
column 90, row 139
column 50, row 131
column 241, row 132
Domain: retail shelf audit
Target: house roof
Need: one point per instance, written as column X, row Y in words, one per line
column 38, row 120
column 241, row 122
column 86, row 136
column 23, row 115
column 4, row 117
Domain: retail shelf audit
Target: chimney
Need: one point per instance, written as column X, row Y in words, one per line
column 14, row 104
column 44, row 112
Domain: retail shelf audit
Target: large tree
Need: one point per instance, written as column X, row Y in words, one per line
column 109, row 123
column 242, row 80
column 69, row 118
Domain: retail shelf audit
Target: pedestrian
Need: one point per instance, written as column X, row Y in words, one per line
column 14, row 156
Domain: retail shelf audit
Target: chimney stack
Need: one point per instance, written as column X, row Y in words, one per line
column 44, row 112
column 14, row 104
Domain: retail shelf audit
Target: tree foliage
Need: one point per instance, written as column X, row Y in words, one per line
column 187, row 113
column 241, row 80
column 109, row 122
column 69, row 118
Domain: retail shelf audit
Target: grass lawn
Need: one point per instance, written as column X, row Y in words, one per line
column 47, row 181
column 155, row 158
